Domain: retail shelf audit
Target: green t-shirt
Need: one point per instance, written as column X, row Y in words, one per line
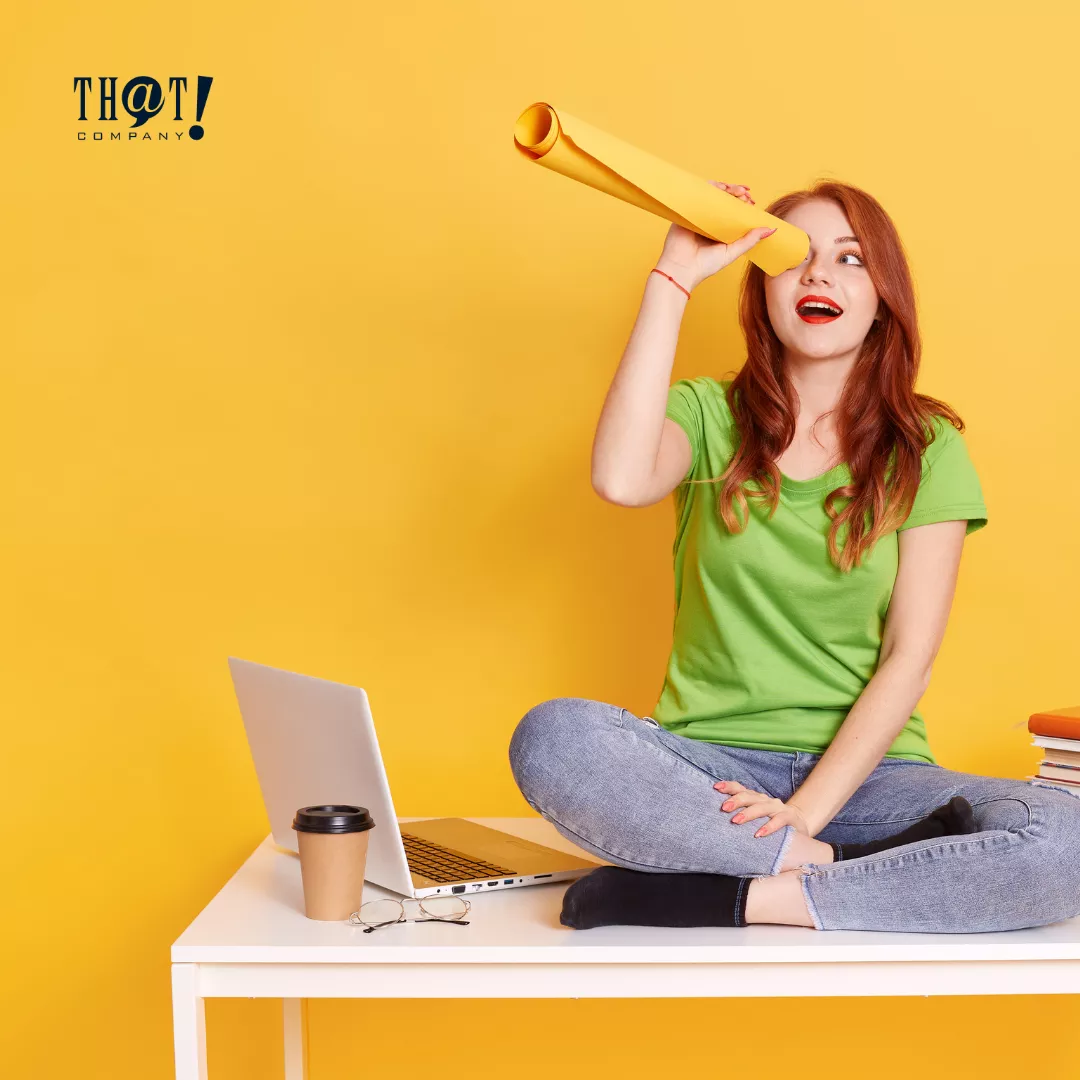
column 772, row 643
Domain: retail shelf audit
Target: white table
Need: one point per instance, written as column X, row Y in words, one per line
column 253, row 940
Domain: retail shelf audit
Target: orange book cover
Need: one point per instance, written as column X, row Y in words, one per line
column 1057, row 723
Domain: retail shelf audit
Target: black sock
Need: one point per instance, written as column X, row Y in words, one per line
column 955, row 818
column 615, row 895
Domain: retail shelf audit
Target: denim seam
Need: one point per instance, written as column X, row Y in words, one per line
column 900, row 822
column 659, row 747
column 663, row 748
column 693, row 764
column 868, row 865
column 625, row 858
column 811, row 907
column 1053, row 787
column 743, row 882
column 783, row 850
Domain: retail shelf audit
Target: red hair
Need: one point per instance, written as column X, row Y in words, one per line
column 880, row 419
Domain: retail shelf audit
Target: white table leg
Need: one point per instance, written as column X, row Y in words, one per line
column 294, row 1012
column 189, row 1024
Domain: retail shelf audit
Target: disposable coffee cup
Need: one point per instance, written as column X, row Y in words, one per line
column 333, row 843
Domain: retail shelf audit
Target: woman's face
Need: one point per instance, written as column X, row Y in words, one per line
column 832, row 270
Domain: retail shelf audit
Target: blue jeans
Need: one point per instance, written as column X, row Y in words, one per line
column 634, row 794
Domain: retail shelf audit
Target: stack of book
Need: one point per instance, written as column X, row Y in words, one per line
column 1057, row 735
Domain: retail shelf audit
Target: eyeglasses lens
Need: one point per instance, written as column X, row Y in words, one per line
column 381, row 912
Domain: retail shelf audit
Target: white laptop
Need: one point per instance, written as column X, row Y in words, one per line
column 313, row 743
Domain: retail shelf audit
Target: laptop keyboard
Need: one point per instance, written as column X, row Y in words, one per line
column 444, row 864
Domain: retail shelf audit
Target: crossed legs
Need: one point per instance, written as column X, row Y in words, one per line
column 642, row 798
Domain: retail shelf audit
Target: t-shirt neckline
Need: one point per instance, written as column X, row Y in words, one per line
column 814, row 483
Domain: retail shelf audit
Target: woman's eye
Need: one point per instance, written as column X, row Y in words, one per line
column 843, row 254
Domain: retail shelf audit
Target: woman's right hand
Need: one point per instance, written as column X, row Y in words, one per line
column 690, row 257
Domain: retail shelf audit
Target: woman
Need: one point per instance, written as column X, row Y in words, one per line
column 821, row 510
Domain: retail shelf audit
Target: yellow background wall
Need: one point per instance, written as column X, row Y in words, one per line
column 320, row 392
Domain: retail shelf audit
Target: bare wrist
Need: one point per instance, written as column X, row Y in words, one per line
column 810, row 819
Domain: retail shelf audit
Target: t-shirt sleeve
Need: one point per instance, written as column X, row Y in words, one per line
column 684, row 407
column 949, row 489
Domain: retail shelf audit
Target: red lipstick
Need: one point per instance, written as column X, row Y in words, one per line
column 817, row 314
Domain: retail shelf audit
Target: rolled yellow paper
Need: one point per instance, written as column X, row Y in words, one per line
column 567, row 145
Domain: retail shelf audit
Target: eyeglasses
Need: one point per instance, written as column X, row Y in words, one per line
column 376, row 913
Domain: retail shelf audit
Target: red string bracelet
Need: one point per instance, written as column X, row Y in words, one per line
column 671, row 279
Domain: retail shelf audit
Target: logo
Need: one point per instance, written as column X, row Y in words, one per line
column 142, row 99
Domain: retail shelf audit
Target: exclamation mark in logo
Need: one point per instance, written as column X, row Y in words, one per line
column 202, row 94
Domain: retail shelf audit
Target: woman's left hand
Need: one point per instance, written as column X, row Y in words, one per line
column 756, row 805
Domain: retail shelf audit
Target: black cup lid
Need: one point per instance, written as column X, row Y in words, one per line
column 334, row 818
